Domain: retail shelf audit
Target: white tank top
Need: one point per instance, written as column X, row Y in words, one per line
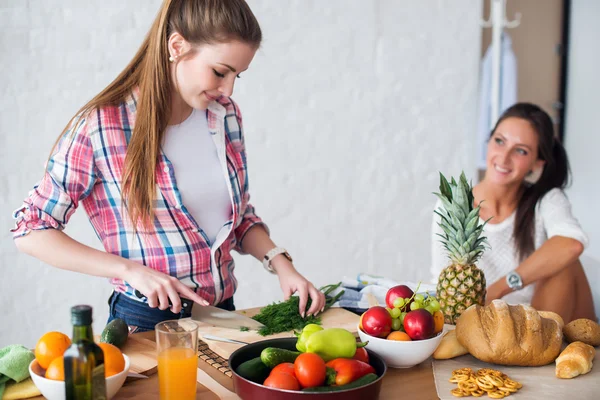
column 200, row 179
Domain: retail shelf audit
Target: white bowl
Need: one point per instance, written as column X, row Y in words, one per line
column 399, row 354
column 55, row 390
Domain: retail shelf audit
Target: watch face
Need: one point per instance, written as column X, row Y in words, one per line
column 514, row 280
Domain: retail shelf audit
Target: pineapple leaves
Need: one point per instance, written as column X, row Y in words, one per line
column 445, row 187
column 459, row 220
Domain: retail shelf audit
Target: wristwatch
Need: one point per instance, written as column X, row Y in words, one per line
column 514, row 281
column 271, row 254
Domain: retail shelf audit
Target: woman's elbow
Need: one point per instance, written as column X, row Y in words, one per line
column 576, row 248
column 23, row 244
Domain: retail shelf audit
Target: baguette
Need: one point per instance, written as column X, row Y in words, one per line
column 575, row 359
column 449, row 347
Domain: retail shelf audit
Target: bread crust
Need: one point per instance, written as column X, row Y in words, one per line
column 449, row 347
column 583, row 330
column 576, row 359
column 509, row 335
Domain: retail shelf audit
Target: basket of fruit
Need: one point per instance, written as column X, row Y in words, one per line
column 405, row 332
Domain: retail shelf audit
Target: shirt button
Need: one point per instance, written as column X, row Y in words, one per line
column 166, row 169
column 178, row 206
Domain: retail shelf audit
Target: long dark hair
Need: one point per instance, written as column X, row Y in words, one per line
column 555, row 175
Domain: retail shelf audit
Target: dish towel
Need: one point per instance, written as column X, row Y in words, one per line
column 356, row 290
column 14, row 364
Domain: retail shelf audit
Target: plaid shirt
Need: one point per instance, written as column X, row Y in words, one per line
column 88, row 167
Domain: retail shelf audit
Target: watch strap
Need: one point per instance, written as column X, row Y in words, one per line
column 271, row 254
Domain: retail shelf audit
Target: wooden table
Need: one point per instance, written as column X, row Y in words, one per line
column 414, row 383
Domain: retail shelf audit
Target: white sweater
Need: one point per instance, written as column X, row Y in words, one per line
column 553, row 217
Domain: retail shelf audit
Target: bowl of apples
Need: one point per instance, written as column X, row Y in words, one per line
column 407, row 331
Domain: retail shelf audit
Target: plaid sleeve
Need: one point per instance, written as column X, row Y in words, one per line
column 249, row 218
column 68, row 179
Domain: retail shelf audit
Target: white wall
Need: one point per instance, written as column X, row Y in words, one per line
column 350, row 109
column 582, row 136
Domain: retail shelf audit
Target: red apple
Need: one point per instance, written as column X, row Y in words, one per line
column 402, row 291
column 419, row 324
column 377, row 321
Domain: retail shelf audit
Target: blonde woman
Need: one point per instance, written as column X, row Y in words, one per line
column 157, row 160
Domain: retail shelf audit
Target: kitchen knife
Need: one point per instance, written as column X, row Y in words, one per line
column 223, row 318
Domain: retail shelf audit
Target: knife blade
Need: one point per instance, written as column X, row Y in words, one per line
column 223, row 318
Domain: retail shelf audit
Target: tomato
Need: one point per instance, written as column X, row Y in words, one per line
column 286, row 368
column 310, row 370
column 361, row 355
column 282, row 380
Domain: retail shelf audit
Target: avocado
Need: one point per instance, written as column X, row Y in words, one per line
column 115, row 332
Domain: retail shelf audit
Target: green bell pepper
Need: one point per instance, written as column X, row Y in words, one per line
column 306, row 333
column 332, row 343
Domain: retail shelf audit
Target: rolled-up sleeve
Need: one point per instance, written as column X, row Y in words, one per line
column 248, row 221
column 69, row 178
column 558, row 219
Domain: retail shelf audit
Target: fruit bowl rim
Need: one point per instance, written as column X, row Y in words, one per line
column 436, row 337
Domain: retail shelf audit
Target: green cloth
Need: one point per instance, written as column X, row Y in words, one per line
column 14, row 364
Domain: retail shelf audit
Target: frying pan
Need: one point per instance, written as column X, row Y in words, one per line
column 248, row 390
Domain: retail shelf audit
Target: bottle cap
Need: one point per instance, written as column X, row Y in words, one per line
column 81, row 315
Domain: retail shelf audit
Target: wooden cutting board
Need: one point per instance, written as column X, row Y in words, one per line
column 142, row 354
column 332, row 318
column 142, row 351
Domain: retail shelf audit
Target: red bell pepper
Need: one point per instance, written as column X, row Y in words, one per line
column 347, row 370
column 361, row 355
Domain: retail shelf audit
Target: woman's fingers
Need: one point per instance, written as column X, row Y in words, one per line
column 174, row 300
column 190, row 294
column 303, row 296
column 317, row 300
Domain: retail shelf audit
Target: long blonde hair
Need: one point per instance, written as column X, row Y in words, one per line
column 198, row 22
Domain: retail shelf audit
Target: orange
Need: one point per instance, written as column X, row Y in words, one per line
column 438, row 319
column 114, row 362
column 50, row 346
column 399, row 335
column 56, row 369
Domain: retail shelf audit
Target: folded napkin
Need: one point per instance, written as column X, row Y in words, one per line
column 14, row 364
column 356, row 290
column 21, row 390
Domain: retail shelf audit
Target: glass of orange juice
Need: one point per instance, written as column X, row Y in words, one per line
column 177, row 348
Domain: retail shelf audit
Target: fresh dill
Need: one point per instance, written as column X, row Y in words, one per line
column 285, row 316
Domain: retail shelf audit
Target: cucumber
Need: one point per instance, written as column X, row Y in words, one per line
column 272, row 356
column 254, row 370
column 115, row 332
column 365, row 380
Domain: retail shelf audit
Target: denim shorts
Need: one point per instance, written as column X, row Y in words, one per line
column 141, row 318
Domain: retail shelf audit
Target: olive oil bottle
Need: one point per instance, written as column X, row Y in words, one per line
column 84, row 360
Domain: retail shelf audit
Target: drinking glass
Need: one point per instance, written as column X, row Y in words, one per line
column 177, row 348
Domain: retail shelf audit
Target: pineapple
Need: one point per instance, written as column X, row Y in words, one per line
column 461, row 284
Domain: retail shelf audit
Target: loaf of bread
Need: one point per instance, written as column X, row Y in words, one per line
column 583, row 330
column 449, row 347
column 576, row 359
column 554, row 316
column 509, row 335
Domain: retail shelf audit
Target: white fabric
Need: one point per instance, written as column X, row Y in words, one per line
column 553, row 217
column 192, row 151
column 507, row 92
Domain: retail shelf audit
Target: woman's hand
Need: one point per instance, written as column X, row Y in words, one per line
column 159, row 288
column 497, row 290
column 291, row 282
